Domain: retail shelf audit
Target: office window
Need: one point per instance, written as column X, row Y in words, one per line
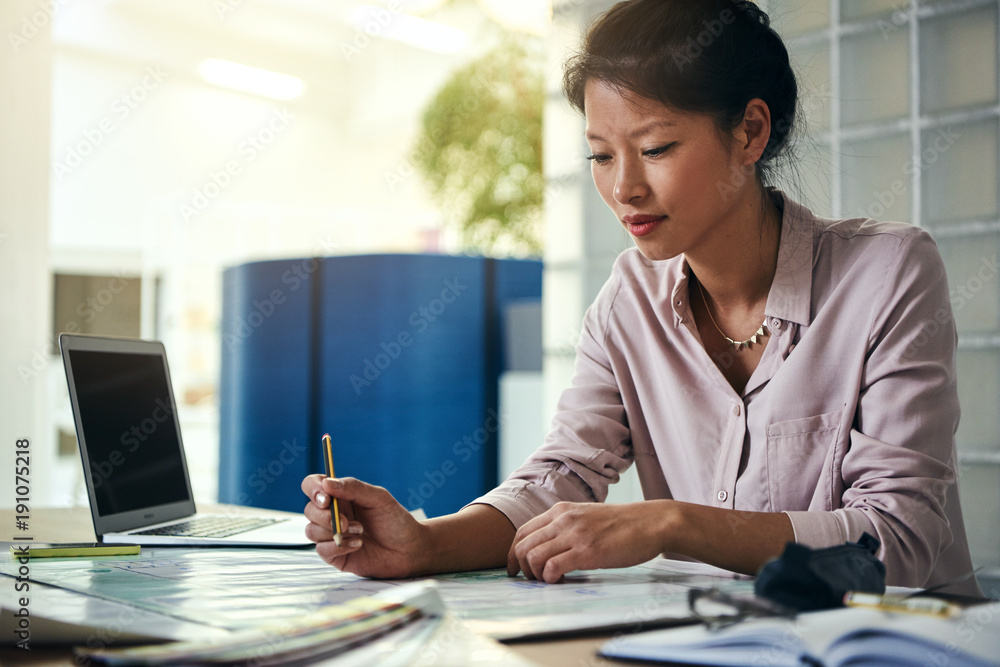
column 960, row 178
column 100, row 305
column 954, row 75
column 979, row 375
column 975, row 294
column 911, row 133
column 874, row 80
column 875, row 184
column 861, row 9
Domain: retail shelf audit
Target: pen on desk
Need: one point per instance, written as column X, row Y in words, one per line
column 334, row 509
column 912, row 605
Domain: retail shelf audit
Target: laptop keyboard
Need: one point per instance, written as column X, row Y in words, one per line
column 210, row 526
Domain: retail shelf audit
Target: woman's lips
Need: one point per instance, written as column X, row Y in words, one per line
column 640, row 225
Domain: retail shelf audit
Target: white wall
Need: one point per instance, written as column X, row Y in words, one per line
column 24, row 314
column 136, row 135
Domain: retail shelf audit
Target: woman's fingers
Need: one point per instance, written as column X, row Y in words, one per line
column 569, row 536
column 348, row 491
column 525, row 533
column 320, row 524
column 356, row 491
column 535, row 543
column 540, row 561
column 311, row 484
column 333, row 554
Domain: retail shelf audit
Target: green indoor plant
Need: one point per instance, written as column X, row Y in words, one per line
column 480, row 151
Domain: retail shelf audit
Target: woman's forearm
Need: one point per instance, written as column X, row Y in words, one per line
column 731, row 539
column 476, row 537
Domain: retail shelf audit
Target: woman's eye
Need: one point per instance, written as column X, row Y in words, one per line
column 599, row 158
column 660, row 150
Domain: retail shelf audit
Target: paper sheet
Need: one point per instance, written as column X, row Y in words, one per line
column 235, row 589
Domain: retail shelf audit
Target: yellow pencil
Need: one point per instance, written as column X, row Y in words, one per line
column 334, row 509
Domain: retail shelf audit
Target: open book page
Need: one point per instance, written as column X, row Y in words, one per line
column 831, row 638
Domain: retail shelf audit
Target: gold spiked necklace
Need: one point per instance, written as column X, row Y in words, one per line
column 738, row 344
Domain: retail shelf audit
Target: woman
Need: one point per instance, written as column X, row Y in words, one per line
column 767, row 371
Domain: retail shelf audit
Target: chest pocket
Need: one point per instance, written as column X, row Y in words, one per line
column 803, row 463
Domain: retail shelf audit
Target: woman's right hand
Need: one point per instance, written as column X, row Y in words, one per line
column 380, row 538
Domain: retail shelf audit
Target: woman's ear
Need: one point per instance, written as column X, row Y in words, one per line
column 754, row 131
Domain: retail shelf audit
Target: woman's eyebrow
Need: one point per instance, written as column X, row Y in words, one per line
column 640, row 131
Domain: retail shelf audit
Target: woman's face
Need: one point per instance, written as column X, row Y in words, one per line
column 667, row 175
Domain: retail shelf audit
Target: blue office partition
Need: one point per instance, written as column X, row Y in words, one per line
column 265, row 389
column 397, row 357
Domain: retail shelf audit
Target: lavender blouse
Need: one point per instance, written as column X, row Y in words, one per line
column 847, row 424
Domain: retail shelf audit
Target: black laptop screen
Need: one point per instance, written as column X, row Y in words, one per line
column 132, row 446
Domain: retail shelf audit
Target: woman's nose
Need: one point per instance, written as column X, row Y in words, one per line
column 630, row 183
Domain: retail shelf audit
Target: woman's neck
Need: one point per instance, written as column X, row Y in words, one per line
column 737, row 270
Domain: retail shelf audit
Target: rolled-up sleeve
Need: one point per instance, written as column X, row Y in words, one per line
column 588, row 445
column 899, row 469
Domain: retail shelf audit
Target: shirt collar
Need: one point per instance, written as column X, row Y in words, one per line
column 679, row 295
column 790, row 297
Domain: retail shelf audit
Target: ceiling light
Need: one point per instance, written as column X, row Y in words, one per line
column 421, row 33
column 251, row 79
column 414, row 7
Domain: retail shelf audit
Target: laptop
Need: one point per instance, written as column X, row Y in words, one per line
column 133, row 457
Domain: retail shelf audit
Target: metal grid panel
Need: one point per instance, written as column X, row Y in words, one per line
column 913, row 132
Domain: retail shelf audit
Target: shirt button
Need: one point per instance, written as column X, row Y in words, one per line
column 736, row 410
column 722, row 496
column 775, row 323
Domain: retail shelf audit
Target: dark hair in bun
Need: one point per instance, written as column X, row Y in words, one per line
column 701, row 56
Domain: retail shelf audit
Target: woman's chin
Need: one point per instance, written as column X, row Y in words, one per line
column 656, row 252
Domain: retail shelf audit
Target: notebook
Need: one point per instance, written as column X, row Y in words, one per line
column 832, row 638
column 133, row 456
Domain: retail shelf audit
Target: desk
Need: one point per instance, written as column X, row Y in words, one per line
column 74, row 525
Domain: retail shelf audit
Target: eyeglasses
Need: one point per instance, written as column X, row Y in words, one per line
column 717, row 609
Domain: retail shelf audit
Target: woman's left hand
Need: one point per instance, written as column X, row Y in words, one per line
column 587, row 536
